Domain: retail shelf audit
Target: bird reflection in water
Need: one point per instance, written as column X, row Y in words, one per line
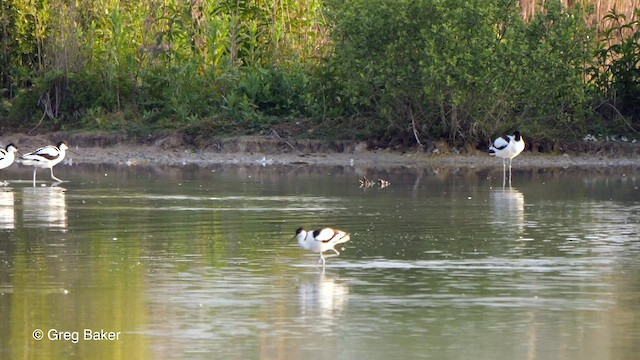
column 45, row 207
column 508, row 208
column 323, row 296
column 7, row 213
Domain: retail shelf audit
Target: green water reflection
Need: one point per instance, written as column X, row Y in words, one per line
column 444, row 263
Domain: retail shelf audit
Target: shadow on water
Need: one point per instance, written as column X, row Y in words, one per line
column 444, row 262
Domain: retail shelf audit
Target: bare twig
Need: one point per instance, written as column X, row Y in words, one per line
column 45, row 101
column 413, row 127
column 277, row 136
column 624, row 119
column 39, row 123
column 298, row 151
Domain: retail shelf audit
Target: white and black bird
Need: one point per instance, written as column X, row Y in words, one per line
column 507, row 147
column 45, row 157
column 7, row 156
column 321, row 240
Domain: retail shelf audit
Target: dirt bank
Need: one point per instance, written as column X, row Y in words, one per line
column 176, row 149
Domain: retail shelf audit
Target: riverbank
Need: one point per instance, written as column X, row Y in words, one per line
column 174, row 150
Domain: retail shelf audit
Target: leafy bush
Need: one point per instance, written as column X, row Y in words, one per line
column 616, row 73
column 458, row 69
column 409, row 70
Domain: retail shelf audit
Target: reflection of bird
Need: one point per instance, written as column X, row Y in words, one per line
column 321, row 240
column 7, row 215
column 45, row 207
column 323, row 296
column 45, row 157
column 507, row 148
column 383, row 183
column 365, row 183
column 264, row 161
column 7, row 156
column 508, row 207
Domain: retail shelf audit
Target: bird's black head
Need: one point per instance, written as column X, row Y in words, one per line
column 298, row 231
column 516, row 135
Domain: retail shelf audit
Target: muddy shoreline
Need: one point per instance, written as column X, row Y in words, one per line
column 175, row 150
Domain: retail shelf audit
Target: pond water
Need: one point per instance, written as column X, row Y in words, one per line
column 196, row 263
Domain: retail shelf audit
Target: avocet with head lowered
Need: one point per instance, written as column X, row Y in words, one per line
column 45, row 157
column 321, row 240
column 507, row 147
column 7, row 156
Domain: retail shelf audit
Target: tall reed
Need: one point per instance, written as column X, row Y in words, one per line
column 601, row 8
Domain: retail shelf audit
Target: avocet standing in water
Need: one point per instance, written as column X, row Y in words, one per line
column 321, row 240
column 7, row 156
column 45, row 157
column 507, row 148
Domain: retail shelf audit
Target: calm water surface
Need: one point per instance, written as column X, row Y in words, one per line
column 444, row 264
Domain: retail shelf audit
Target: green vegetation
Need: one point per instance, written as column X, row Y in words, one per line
column 392, row 70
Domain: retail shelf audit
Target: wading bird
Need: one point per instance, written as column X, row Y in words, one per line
column 45, row 157
column 7, row 156
column 507, row 147
column 321, row 240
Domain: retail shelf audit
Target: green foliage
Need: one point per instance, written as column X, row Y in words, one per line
column 167, row 63
column 462, row 70
column 21, row 113
column 615, row 75
column 276, row 91
column 552, row 98
column 458, row 69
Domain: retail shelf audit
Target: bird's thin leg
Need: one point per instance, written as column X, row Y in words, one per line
column 510, row 172
column 504, row 173
column 53, row 177
column 337, row 253
column 321, row 260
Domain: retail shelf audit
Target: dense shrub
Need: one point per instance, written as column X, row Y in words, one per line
column 615, row 74
column 459, row 69
column 462, row 70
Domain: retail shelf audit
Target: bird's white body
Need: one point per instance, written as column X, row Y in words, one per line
column 45, row 157
column 507, row 148
column 321, row 240
column 7, row 156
